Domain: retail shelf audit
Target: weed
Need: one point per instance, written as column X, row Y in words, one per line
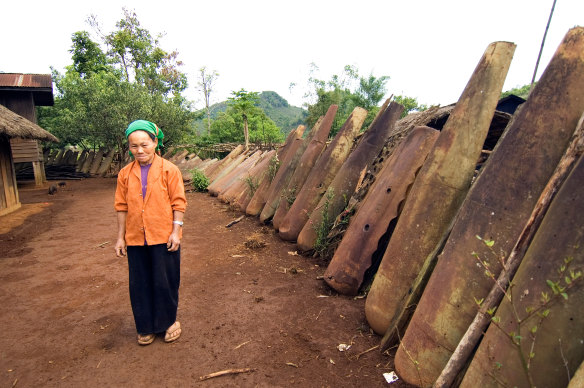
column 273, row 167
column 559, row 288
column 289, row 195
column 252, row 185
column 324, row 227
column 200, row 182
column 254, row 242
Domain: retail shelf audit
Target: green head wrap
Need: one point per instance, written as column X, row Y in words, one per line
column 143, row 125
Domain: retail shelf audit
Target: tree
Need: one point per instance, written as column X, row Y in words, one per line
column 206, row 85
column 410, row 104
column 141, row 58
column 227, row 127
column 244, row 103
column 522, row 91
column 87, row 55
column 96, row 99
column 348, row 91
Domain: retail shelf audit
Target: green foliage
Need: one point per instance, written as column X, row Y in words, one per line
column 96, row 98
column 228, row 125
column 252, row 185
column 140, row 57
column 273, row 167
column 534, row 315
column 284, row 115
column 244, row 103
column 87, row 55
column 522, row 91
column 323, row 229
column 348, row 91
column 289, row 194
column 410, row 104
column 200, row 182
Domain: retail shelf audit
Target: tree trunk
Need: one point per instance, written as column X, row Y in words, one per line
column 208, row 119
column 245, row 132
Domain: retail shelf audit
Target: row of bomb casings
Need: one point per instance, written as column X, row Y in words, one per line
column 424, row 292
column 71, row 163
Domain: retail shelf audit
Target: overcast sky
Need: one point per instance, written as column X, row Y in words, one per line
column 428, row 48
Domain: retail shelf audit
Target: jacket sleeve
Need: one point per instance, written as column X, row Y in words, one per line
column 176, row 190
column 121, row 203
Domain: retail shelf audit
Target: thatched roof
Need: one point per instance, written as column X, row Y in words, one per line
column 13, row 125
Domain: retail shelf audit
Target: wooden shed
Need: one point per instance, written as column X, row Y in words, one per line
column 13, row 126
column 21, row 93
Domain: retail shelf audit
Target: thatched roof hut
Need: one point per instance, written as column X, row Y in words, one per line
column 22, row 93
column 14, row 126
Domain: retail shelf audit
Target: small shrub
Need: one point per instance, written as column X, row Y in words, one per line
column 323, row 229
column 273, row 167
column 200, row 182
column 252, row 185
column 289, row 195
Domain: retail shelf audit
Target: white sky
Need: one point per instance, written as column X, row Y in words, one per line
column 428, row 48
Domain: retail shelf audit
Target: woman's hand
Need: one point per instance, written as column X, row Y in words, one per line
column 120, row 247
column 173, row 242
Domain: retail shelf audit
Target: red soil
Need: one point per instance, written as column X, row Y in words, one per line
column 66, row 318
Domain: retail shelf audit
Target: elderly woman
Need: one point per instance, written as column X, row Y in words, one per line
column 150, row 203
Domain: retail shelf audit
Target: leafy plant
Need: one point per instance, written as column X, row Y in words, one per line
column 273, row 167
column 126, row 77
column 324, row 227
column 289, row 195
column 252, row 185
column 347, row 90
column 559, row 288
column 200, row 182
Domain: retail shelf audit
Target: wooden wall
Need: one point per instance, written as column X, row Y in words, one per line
column 26, row 150
column 22, row 103
column 9, row 200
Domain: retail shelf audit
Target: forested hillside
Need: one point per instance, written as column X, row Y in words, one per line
column 286, row 116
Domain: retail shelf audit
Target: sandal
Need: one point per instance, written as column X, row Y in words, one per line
column 146, row 339
column 173, row 332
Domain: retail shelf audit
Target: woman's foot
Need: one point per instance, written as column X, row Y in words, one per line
column 146, row 339
column 173, row 332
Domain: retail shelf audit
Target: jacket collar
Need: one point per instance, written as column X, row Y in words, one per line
column 153, row 174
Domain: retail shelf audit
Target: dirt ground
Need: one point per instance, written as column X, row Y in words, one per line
column 66, row 318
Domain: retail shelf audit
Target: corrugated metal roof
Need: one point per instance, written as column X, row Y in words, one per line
column 18, row 80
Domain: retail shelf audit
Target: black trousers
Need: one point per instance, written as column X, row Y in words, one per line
column 154, row 281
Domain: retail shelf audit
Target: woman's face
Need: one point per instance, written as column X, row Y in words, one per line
column 142, row 146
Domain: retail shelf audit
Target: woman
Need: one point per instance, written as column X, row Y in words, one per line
column 150, row 203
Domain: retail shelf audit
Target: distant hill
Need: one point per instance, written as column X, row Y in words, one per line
column 286, row 116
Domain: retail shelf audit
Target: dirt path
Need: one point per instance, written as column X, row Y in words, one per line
column 66, row 318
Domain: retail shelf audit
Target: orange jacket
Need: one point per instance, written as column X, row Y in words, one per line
column 153, row 216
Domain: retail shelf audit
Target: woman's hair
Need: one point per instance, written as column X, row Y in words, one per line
column 152, row 136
